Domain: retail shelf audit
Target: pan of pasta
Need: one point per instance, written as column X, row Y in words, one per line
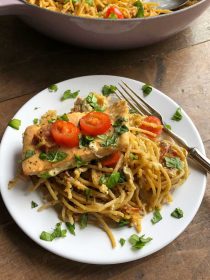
column 104, row 24
column 89, row 178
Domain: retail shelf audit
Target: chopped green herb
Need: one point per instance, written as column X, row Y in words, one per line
column 107, row 90
column 35, row 121
column 146, row 89
column 133, row 157
column 63, row 117
column 122, row 178
column 119, row 121
column 70, row 227
column 177, row 116
column 66, row 1
column 83, row 220
column 138, row 242
column 109, row 140
column 68, row 94
column 51, row 121
column 113, row 180
column 53, row 156
column 168, row 126
column 132, row 111
column 79, row 161
column 140, row 11
column 122, row 241
column 103, row 180
column 92, row 100
column 58, row 232
column 15, row 123
column 173, row 162
column 123, row 223
column 112, row 16
column 36, row 108
column 84, row 141
column 33, row 204
column 28, row 154
column 156, row 217
column 89, row 2
column 177, row 213
column 45, row 175
column 120, row 128
column 53, row 88
column 88, row 193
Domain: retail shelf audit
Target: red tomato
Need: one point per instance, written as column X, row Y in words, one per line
column 111, row 160
column 95, row 123
column 155, row 120
column 65, row 133
column 114, row 11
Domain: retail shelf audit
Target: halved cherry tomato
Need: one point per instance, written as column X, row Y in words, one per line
column 65, row 133
column 114, row 11
column 111, row 160
column 155, row 120
column 95, row 123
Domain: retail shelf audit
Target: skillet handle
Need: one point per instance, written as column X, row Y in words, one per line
column 10, row 7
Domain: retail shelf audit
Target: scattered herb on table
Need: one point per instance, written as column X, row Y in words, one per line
column 15, row 123
column 156, row 217
column 177, row 116
column 177, row 213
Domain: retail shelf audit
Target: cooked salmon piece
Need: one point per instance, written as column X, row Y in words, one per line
column 37, row 138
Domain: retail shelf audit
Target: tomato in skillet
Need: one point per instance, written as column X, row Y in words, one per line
column 111, row 160
column 155, row 120
column 114, row 12
column 95, row 123
column 65, row 133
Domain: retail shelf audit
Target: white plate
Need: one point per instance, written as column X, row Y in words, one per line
column 91, row 245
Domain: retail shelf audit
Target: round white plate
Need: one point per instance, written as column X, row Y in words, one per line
column 91, row 245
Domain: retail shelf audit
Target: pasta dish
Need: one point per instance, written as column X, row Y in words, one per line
column 111, row 9
column 102, row 163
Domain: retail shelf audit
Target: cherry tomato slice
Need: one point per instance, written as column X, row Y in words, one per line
column 65, row 133
column 155, row 120
column 95, row 123
column 111, row 160
column 114, row 11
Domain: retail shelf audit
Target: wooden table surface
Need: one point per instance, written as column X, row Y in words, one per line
column 180, row 67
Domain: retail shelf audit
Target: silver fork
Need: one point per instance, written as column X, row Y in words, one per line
column 137, row 103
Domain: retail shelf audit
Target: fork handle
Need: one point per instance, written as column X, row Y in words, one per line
column 200, row 158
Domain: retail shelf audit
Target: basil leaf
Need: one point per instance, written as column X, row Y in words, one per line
column 177, row 116
column 68, row 94
column 167, row 126
column 177, row 213
column 79, row 161
column 63, row 117
column 138, row 242
column 84, row 141
column 93, row 102
column 53, row 88
column 33, row 204
column 107, row 90
column 35, row 121
column 123, row 223
column 15, row 123
column 113, row 180
column 83, row 220
column 28, row 154
column 54, row 156
column 140, row 11
column 122, row 241
column 173, row 162
column 146, row 89
column 58, row 232
column 156, row 217
column 70, row 227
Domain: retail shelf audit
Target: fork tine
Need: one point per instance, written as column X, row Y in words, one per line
column 151, row 110
column 121, row 96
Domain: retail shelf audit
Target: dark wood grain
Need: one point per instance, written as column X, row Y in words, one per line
column 180, row 67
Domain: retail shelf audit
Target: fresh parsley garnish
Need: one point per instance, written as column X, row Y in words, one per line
column 140, row 9
column 168, row 126
column 173, row 162
column 83, row 220
column 15, row 123
column 88, row 193
column 112, row 16
column 79, row 161
column 28, row 154
column 35, row 121
column 108, row 140
column 33, row 204
column 63, row 117
column 92, row 100
column 119, row 127
column 177, row 213
column 53, row 156
column 110, row 180
column 138, row 242
column 177, row 116
column 156, row 217
column 84, row 141
column 133, row 156
column 70, row 227
column 123, row 223
column 107, row 90
column 45, row 175
column 58, row 232
column 53, row 88
column 89, row 2
column 147, row 89
column 122, row 241
column 69, row 95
